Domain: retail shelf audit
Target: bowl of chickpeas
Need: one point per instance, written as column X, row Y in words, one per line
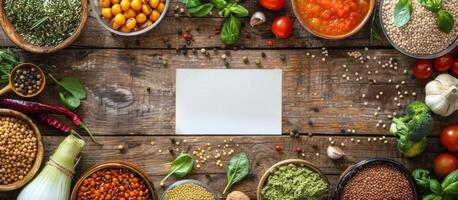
column 130, row 17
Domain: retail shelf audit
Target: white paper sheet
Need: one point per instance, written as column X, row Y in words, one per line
column 228, row 101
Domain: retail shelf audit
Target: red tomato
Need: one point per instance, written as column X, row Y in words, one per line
column 449, row 138
column 274, row 5
column 443, row 63
column 282, row 27
column 444, row 164
column 422, row 70
column 455, row 67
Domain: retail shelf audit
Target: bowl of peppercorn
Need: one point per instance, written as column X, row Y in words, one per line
column 376, row 178
column 26, row 80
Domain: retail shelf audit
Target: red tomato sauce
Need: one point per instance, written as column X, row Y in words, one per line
column 332, row 17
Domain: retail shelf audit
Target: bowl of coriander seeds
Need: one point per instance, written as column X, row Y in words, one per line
column 189, row 189
column 21, row 149
column 43, row 26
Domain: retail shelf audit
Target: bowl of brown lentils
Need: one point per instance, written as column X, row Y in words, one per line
column 21, row 149
column 375, row 179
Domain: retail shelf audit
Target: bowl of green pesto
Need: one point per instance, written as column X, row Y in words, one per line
column 293, row 179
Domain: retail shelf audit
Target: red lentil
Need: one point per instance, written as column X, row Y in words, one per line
column 113, row 183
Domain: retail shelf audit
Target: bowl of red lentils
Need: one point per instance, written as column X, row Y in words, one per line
column 374, row 179
column 129, row 17
column 114, row 180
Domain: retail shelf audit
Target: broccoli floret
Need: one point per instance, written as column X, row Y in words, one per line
column 412, row 128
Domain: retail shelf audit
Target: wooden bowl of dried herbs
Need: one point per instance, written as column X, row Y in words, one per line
column 43, row 26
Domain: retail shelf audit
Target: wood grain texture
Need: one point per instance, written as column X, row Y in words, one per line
column 133, row 93
column 138, row 149
column 95, row 36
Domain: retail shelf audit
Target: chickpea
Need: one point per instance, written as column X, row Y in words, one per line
column 120, row 19
column 106, row 13
column 125, row 29
column 161, row 7
column 105, row 3
column 141, row 18
column 153, row 3
column 146, row 9
column 130, row 24
column 130, row 14
column 136, row 5
column 116, row 9
column 154, row 15
column 125, row 5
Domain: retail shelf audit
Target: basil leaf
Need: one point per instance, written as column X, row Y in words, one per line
column 433, row 5
column 180, row 167
column 445, row 21
column 422, row 177
column 68, row 100
column 237, row 169
column 192, row 3
column 448, row 197
column 200, row 11
column 432, row 197
column 450, row 183
column 402, row 12
column 220, row 4
column 435, row 186
column 234, row 8
column 230, row 32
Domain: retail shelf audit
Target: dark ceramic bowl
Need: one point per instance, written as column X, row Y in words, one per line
column 348, row 174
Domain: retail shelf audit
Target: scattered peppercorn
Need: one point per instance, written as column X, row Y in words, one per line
column 245, row 59
column 258, row 62
column 298, row 150
column 27, row 80
column 283, row 58
column 263, row 55
column 278, row 148
column 270, row 43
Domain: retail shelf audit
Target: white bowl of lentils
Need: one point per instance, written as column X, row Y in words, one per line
column 420, row 37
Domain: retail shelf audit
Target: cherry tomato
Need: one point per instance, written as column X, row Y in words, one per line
column 274, row 5
column 455, row 67
column 443, row 63
column 422, row 70
column 444, row 164
column 282, row 27
column 449, row 138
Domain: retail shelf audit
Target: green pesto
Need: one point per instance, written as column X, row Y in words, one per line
column 294, row 182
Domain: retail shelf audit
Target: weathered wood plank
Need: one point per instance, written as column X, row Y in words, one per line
column 95, row 36
column 132, row 92
column 138, row 149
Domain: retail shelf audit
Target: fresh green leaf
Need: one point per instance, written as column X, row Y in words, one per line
column 72, row 86
column 445, row 21
column 450, row 183
column 68, row 100
column 448, row 197
column 219, row 4
column 180, row 167
column 237, row 169
column 192, row 3
column 39, row 22
column 432, row 197
column 433, row 5
column 230, row 32
column 234, row 8
column 435, row 186
column 422, row 177
column 402, row 12
column 373, row 34
column 201, row 10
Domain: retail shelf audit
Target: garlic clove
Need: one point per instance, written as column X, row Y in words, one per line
column 334, row 152
column 257, row 18
column 442, row 95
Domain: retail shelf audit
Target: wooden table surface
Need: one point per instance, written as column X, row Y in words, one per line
column 131, row 96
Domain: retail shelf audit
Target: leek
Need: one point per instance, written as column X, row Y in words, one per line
column 53, row 182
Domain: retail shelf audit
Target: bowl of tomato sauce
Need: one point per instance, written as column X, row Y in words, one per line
column 333, row 19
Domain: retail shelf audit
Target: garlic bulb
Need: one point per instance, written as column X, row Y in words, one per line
column 334, row 152
column 257, row 18
column 442, row 95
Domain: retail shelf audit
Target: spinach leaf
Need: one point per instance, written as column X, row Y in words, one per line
column 435, row 186
column 237, row 169
column 180, row 167
column 402, row 12
column 201, row 10
column 68, row 100
column 445, row 21
column 219, row 4
column 433, row 5
column 422, row 177
column 230, row 32
column 432, row 197
column 71, row 91
column 450, row 183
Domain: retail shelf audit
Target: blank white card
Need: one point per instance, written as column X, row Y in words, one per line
column 228, row 101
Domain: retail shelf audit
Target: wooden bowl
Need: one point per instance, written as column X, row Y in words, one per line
column 10, row 87
column 120, row 164
column 38, row 158
column 335, row 37
column 17, row 39
column 286, row 162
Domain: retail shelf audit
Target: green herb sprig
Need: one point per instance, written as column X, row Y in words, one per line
column 71, row 91
column 373, row 34
column 237, row 169
column 180, row 167
column 432, row 189
column 8, row 60
column 444, row 20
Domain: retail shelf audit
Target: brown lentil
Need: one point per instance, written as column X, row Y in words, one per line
column 378, row 182
column 189, row 191
column 18, row 149
column 113, row 183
